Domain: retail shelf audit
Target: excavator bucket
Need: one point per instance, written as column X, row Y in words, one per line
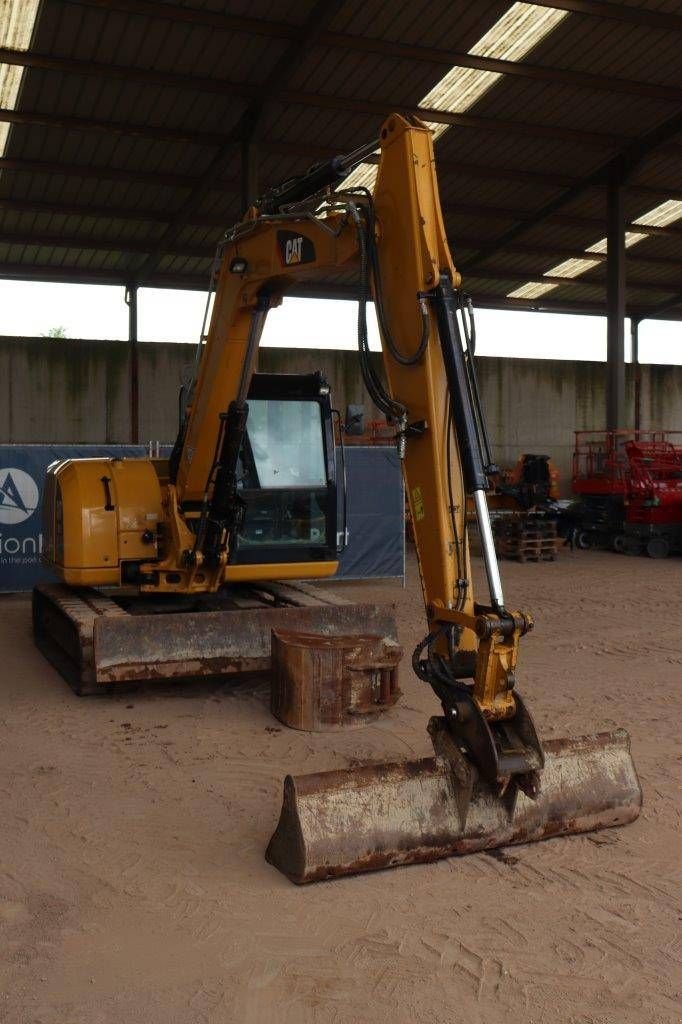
column 385, row 815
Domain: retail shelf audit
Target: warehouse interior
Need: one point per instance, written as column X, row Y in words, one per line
column 133, row 135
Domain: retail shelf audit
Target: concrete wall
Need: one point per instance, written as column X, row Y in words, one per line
column 78, row 391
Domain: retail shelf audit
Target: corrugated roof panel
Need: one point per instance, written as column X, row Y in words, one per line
column 605, row 46
column 455, row 25
column 572, row 107
column 349, row 74
column 267, row 10
column 476, row 206
column 131, row 103
column 185, row 265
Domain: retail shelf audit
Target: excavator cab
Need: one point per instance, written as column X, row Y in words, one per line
column 286, row 475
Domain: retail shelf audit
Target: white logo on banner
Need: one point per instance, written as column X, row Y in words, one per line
column 18, row 496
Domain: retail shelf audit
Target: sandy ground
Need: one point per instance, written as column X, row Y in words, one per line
column 133, row 885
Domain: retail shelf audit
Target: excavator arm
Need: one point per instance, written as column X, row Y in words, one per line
column 395, row 240
column 491, row 782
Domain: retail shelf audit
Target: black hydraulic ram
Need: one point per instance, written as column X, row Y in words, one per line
column 467, row 418
column 226, row 508
column 315, row 180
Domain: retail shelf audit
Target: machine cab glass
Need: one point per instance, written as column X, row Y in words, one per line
column 287, row 477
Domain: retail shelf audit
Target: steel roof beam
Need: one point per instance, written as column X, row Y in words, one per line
column 105, row 212
column 236, row 23
column 547, row 251
column 478, row 171
column 449, row 209
column 527, row 217
column 195, row 16
column 89, row 124
column 249, row 91
column 624, row 163
column 124, row 73
column 488, row 274
column 597, row 140
column 98, row 243
column 115, row 244
column 543, row 305
column 213, row 139
column 97, row 173
column 615, row 12
column 34, row 272
column 513, row 276
column 399, row 51
column 512, row 68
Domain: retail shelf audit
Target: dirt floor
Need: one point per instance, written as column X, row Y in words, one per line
column 133, row 885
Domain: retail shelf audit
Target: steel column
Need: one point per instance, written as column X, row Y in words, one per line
column 615, row 301
column 636, row 370
column 131, row 302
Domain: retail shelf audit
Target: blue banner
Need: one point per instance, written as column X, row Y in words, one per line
column 375, row 510
column 22, row 478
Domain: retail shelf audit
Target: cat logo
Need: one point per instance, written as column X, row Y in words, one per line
column 295, row 249
column 292, row 250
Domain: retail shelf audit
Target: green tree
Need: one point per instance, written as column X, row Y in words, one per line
column 56, row 332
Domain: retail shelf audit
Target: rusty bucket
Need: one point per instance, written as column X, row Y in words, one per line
column 363, row 819
column 323, row 682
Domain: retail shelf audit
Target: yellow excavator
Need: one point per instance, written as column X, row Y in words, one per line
column 184, row 567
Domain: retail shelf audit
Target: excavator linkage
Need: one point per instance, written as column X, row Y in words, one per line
column 383, row 815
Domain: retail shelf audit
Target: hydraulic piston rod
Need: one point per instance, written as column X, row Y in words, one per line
column 492, row 569
column 466, row 419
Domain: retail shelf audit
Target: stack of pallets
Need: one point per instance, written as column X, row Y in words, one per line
column 525, row 538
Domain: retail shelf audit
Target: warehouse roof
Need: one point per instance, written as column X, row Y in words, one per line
column 135, row 125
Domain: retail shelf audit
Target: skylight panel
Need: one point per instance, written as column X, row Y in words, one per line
column 17, row 18
column 631, row 238
column 512, row 36
column 532, row 290
column 662, row 215
column 571, row 268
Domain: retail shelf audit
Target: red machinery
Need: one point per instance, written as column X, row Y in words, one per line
column 533, row 483
column 630, row 484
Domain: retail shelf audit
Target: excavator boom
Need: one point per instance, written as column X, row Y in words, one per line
column 491, row 782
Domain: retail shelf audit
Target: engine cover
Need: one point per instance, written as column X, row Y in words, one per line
column 97, row 514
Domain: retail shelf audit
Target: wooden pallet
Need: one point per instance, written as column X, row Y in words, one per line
column 526, row 539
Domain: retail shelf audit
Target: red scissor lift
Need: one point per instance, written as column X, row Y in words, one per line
column 630, row 486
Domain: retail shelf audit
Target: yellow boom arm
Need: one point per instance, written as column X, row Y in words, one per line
column 397, row 241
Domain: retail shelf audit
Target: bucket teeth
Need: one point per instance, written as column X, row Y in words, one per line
column 378, row 816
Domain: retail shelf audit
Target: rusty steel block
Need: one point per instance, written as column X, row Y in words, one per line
column 324, row 682
column 96, row 643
